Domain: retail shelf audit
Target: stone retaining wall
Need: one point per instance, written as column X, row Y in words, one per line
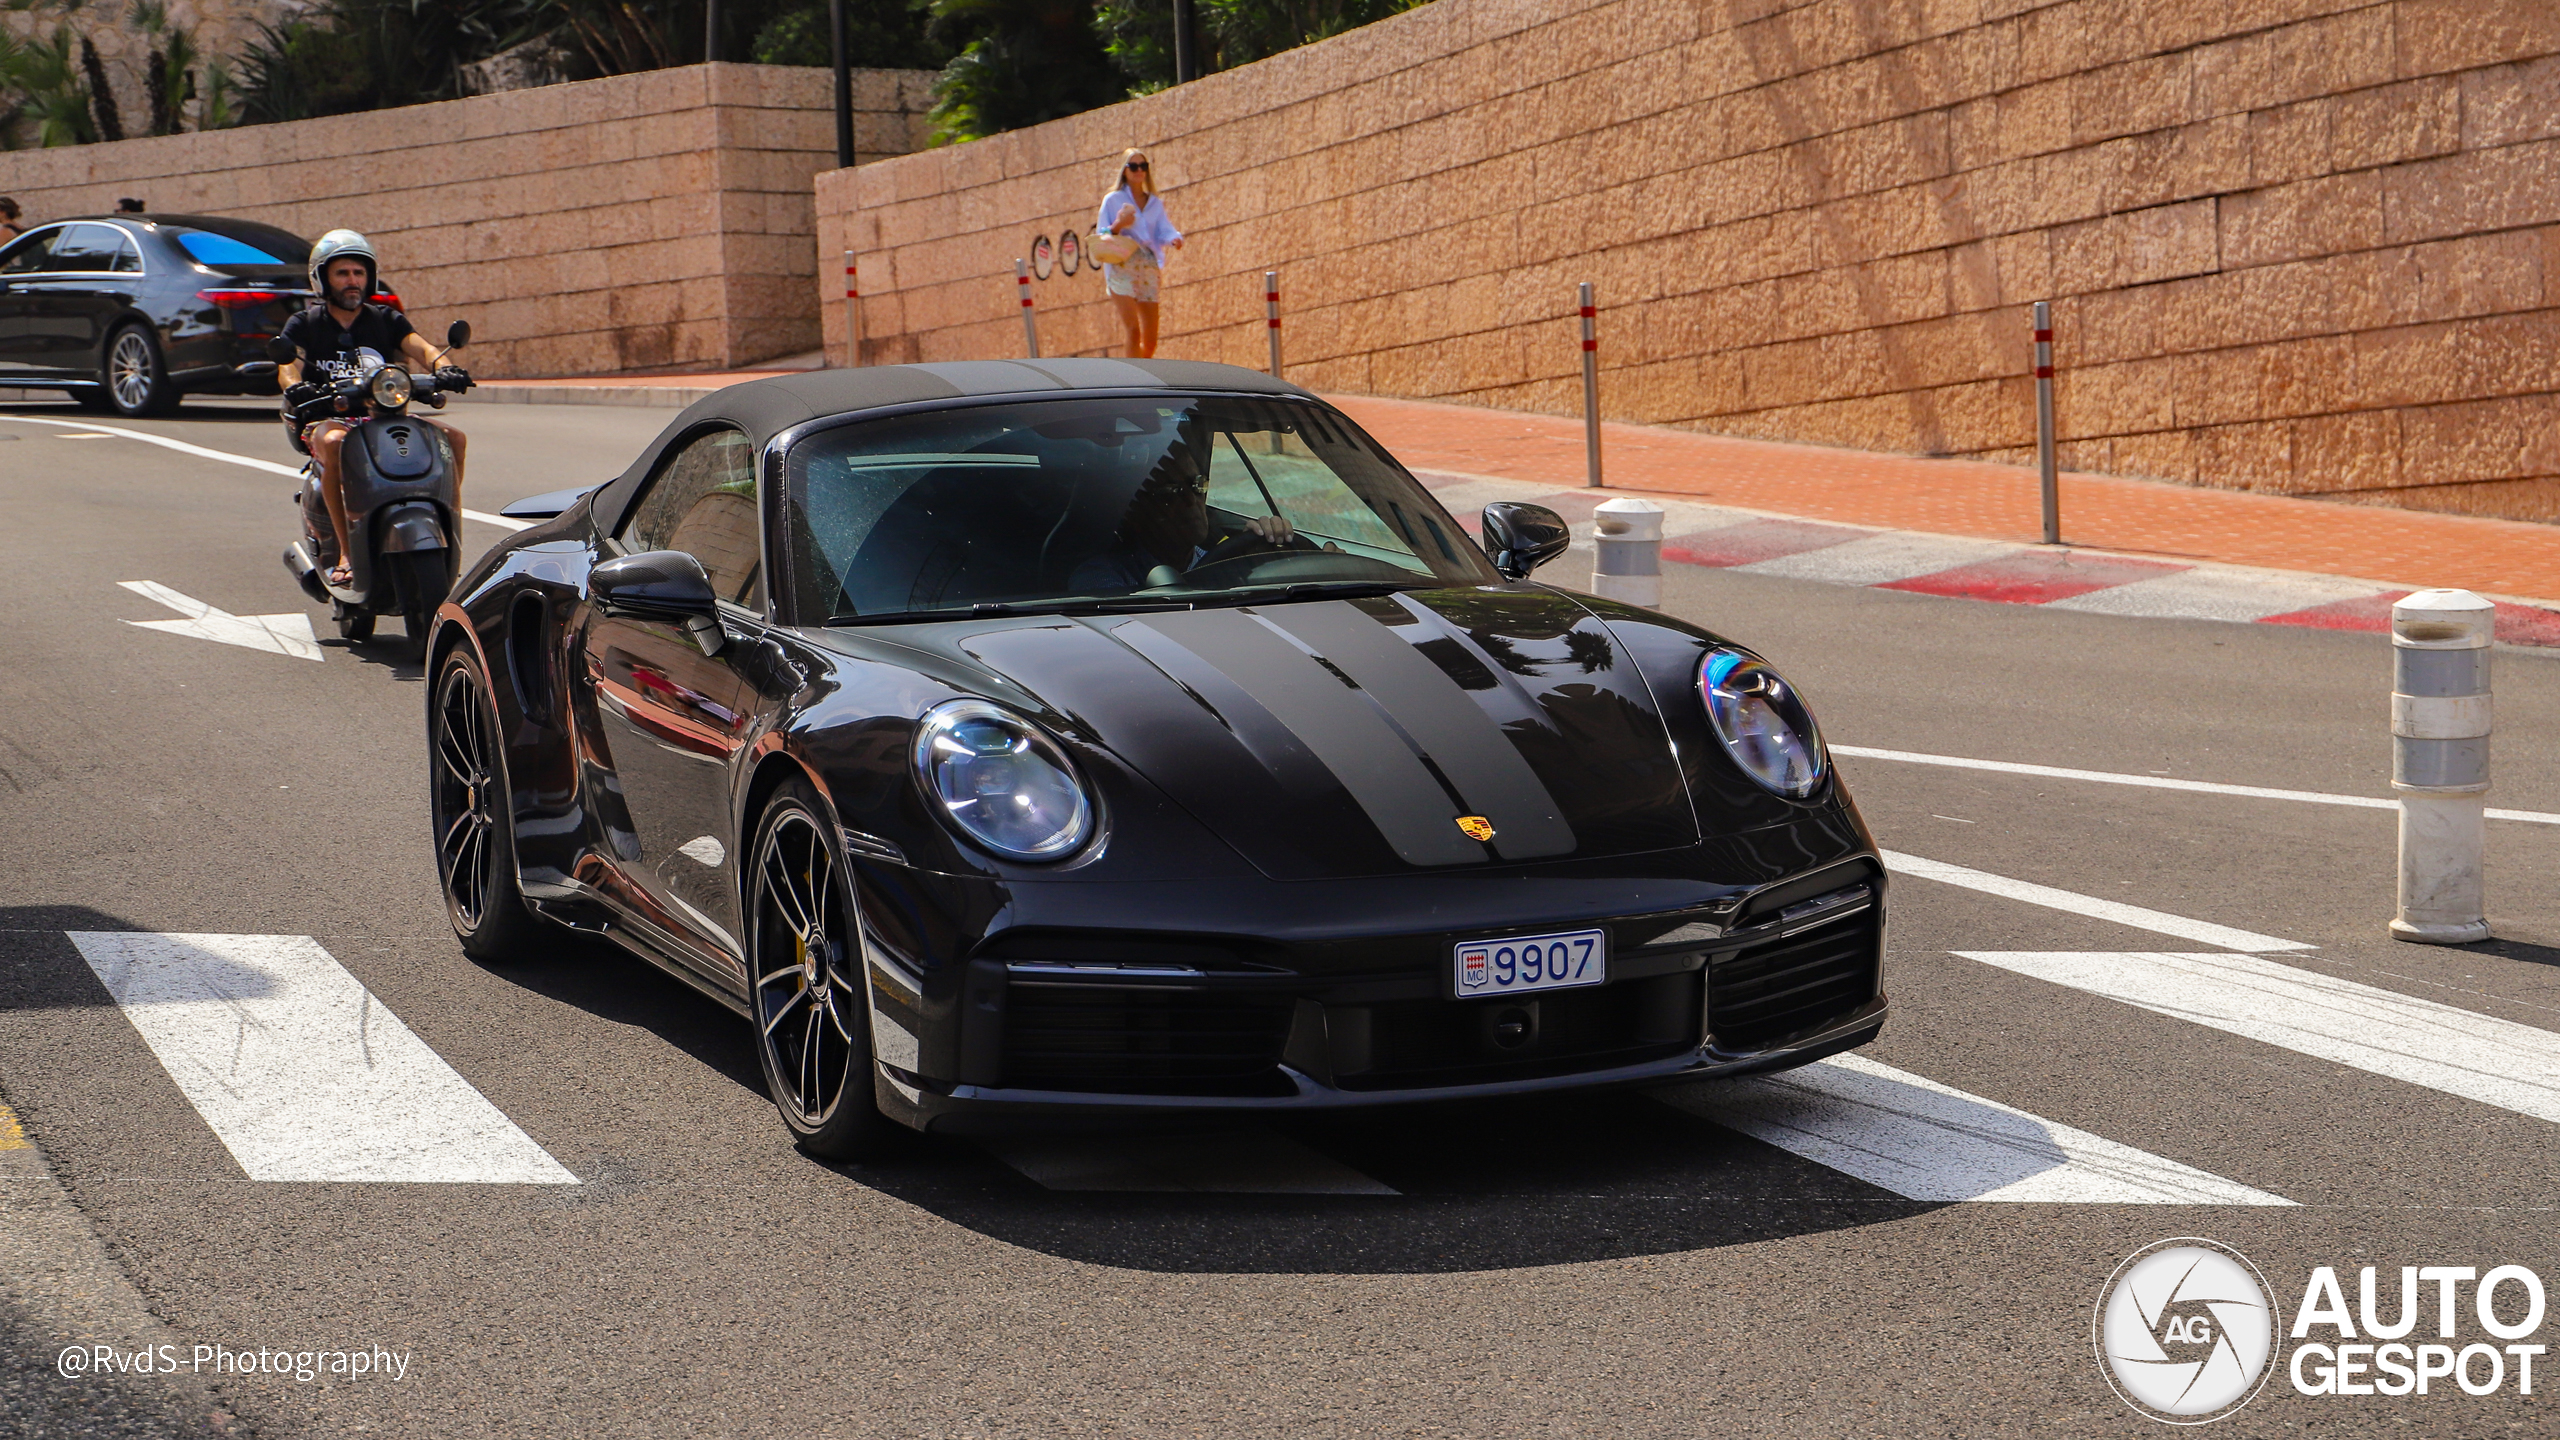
column 2300, row 246
column 657, row 219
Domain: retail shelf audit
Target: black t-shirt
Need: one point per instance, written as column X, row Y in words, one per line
column 328, row 348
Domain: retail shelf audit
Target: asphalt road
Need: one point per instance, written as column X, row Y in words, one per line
column 1607, row 1265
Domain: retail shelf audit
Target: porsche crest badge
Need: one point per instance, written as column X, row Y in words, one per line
column 1476, row 827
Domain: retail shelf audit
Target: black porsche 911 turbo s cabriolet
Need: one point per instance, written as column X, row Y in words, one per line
column 1010, row 740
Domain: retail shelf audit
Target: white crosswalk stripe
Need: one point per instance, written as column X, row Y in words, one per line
column 1927, row 1141
column 2382, row 1032
column 299, row 1070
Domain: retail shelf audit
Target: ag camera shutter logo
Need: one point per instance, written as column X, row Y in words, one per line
column 2184, row 1331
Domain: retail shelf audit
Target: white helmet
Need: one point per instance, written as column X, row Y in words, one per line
column 338, row 244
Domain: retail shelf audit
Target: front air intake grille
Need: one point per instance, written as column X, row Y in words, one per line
column 1138, row 1041
column 1772, row 991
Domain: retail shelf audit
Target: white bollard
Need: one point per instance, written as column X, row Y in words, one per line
column 2440, row 763
column 1627, row 563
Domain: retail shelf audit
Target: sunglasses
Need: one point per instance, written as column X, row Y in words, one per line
column 1136, row 165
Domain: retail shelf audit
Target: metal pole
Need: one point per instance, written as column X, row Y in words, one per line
column 852, row 313
column 844, row 84
column 2044, row 425
column 1186, row 67
column 1626, row 560
column 711, row 32
column 1590, row 390
column 2440, row 763
column 1271, row 312
column 1030, row 326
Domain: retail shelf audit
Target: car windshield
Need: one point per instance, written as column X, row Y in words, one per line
column 1108, row 503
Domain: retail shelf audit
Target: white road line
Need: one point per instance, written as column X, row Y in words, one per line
column 1927, row 1141
column 2382, row 1032
column 2158, row 782
column 1875, row 559
column 1244, row 1161
column 300, row 1071
column 2116, row 911
column 225, row 456
column 277, row 634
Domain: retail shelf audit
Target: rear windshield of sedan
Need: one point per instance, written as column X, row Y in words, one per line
column 1052, row 503
column 241, row 243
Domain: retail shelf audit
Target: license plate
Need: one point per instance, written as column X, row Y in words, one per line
column 1532, row 962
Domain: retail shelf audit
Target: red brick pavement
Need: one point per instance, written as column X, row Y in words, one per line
column 1994, row 502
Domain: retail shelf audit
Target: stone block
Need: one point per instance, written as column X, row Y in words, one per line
column 2326, row 216
column 2437, row 36
column 2323, row 56
column 2137, row 248
column 2511, row 186
column 2505, row 104
column 2245, row 457
column 2164, row 455
column 2134, row 397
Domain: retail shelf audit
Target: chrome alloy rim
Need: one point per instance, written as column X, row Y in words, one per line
column 466, row 800
column 129, row 370
column 804, row 1000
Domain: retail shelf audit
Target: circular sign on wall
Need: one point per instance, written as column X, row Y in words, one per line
column 1070, row 254
column 1041, row 257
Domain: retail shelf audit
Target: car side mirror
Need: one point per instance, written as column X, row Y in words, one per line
column 1520, row 537
column 664, row 585
column 457, row 335
column 281, row 350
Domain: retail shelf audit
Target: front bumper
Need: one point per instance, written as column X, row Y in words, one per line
column 1103, row 1035
column 992, row 1109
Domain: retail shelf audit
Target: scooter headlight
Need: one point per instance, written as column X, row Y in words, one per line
column 1763, row 722
column 390, row 387
column 1003, row 781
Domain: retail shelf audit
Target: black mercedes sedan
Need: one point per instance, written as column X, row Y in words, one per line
column 130, row 312
column 1087, row 737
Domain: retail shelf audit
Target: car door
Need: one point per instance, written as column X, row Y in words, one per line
column 69, row 305
column 675, row 719
column 26, row 258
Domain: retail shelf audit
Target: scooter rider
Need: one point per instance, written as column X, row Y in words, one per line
column 327, row 337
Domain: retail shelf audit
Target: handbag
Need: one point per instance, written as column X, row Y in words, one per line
column 1113, row 249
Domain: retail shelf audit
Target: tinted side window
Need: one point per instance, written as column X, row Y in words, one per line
column 128, row 255
column 704, row 504
column 30, row 255
column 85, row 248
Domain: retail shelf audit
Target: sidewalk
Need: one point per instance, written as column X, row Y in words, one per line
column 2407, row 548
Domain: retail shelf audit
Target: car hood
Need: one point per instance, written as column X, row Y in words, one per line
column 1339, row 738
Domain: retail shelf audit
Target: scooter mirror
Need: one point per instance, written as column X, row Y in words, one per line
column 458, row 336
column 280, row 350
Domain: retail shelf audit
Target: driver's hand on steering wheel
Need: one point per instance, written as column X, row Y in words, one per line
column 1271, row 529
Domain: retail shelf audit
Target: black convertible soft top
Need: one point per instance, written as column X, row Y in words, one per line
column 766, row 408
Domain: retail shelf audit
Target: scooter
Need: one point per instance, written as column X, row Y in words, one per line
column 396, row 475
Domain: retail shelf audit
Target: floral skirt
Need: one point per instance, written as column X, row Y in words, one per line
column 1139, row 279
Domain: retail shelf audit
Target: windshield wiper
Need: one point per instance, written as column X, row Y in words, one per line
column 996, row 610
column 1313, row 590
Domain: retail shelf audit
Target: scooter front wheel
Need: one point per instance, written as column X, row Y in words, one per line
column 354, row 626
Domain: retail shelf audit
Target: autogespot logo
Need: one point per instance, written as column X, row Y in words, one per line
column 2184, row 1331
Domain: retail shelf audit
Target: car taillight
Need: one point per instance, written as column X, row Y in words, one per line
column 238, row 299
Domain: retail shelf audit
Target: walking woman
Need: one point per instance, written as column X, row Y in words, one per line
column 1134, row 210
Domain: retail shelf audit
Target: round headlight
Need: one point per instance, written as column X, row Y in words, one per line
column 1762, row 721
column 391, row 387
column 1003, row 781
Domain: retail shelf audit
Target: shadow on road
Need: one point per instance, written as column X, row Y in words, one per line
column 611, row 984
column 1547, row 1181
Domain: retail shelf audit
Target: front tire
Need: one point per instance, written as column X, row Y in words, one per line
column 809, row 998
column 418, row 579
column 468, row 806
column 135, row 378
column 354, row 626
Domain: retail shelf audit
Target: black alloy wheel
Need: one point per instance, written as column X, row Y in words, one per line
column 812, row 1015
column 135, row 380
column 467, row 804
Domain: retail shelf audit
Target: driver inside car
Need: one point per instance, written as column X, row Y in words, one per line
column 328, row 338
column 1168, row 530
